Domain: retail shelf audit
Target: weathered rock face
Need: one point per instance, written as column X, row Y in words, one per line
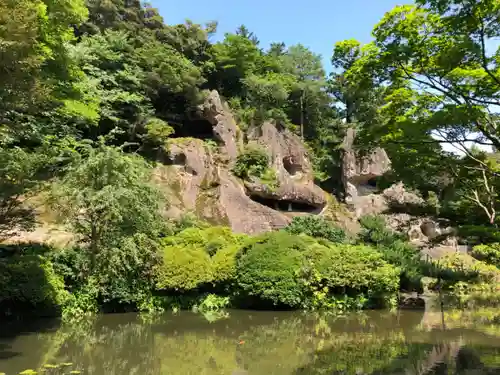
column 199, row 178
column 290, row 161
column 378, row 203
column 358, row 172
column 364, row 199
column 422, row 230
column 219, row 115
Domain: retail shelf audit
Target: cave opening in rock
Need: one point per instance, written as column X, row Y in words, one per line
column 372, row 182
column 284, row 205
column 197, row 128
column 179, row 159
column 291, row 167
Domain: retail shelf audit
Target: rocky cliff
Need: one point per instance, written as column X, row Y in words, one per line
column 197, row 174
column 360, row 172
column 194, row 170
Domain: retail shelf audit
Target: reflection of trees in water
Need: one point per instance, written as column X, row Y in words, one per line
column 414, row 359
column 255, row 343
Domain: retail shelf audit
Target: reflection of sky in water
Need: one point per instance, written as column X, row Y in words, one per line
column 264, row 343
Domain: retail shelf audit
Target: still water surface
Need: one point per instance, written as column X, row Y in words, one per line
column 260, row 343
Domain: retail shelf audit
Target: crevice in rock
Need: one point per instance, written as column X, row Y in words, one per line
column 372, row 182
column 292, row 168
column 285, row 205
column 180, row 161
column 194, row 128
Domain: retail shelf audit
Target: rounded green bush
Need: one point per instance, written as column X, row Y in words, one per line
column 184, row 268
column 489, row 254
column 224, row 264
column 197, row 256
column 31, row 280
column 354, row 270
column 268, row 268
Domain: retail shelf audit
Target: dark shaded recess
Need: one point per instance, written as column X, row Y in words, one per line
column 333, row 183
column 291, row 167
column 372, row 182
column 284, row 205
column 201, row 129
column 179, row 159
column 181, row 115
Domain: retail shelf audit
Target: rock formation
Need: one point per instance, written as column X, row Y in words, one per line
column 359, row 172
column 359, row 176
column 198, row 175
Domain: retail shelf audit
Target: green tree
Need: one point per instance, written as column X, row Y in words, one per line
column 36, row 69
column 243, row 31
column 235, row 58
column 355, row 84
column 106, row 197
column 443, row 86
column 306, row 67
column 440, row 47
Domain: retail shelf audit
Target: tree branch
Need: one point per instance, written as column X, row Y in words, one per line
column 483, row 55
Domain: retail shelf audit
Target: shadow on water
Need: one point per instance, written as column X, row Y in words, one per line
column 258, row 342
column 12, row 330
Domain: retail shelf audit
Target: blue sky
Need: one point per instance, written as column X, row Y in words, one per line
column 317, row 24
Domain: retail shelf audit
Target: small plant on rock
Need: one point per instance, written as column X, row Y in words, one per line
column 252, row 162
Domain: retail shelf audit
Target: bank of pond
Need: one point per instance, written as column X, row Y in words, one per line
column 309, row 266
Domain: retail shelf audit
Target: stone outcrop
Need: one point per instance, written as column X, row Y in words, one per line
column 379, row 203
column 360, row 171
column 290, row 161
column 217, row 112
column 192, row 174
column 394, row 203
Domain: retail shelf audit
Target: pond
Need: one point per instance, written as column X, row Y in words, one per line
column 260, row 343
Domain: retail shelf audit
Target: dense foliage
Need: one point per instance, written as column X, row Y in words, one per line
column 92, row 89
column 488, row 253
column 288, row 270
column 29, row 281
column 316, row 227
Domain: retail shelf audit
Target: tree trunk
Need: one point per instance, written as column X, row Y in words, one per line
column 302, row 115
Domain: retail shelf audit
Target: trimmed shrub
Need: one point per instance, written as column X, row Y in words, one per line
column 394, row 248
column 469, row 282
column 297, row 271
column 489, row 254
column 30, row 281
column 316, row 227
column 460, row 267
column 184, row 268
column 210, row 239
column 348, row 270
column 267, row 268
column 224, row 264
column 196, row 257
